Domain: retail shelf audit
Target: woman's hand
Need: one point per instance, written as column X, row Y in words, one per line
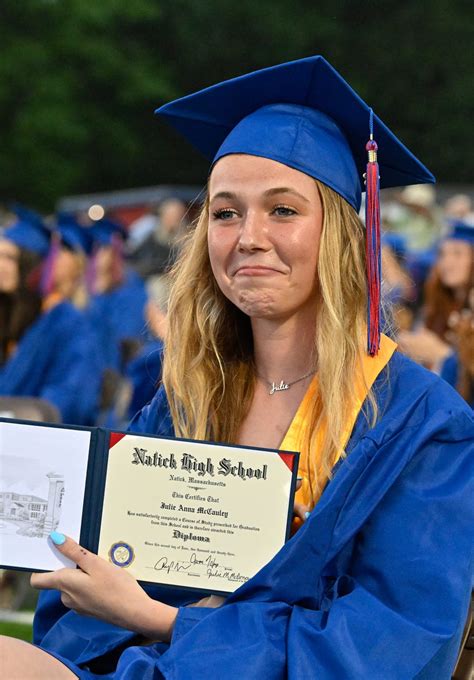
column 300, row 510
column 107, row 592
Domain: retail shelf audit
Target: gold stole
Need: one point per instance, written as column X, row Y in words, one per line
column 51, row 301
column 293, row 440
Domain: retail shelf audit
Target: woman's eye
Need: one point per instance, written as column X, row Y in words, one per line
column 284, row 211
column 224, row 214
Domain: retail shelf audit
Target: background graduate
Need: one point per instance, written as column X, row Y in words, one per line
column 118, row 297
column 46, row 349
column 445, row 341
column 272, row 287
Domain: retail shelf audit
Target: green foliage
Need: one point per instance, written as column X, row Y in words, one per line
column 22, row 631
column 79, row 80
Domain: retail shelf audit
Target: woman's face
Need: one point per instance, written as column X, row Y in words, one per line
column 9, row 268
column 265, row 222
column 67, row 267
column 454, row 263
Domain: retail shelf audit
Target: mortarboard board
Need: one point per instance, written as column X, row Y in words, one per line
column 29, row 231
column 305, row 115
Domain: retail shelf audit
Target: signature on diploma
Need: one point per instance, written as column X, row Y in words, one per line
column 163, row 564
column 209, row 565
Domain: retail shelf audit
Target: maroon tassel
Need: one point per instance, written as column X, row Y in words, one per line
column 47, row 274
column 373, row 256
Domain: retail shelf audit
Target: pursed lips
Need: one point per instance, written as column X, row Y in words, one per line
column 255, row 270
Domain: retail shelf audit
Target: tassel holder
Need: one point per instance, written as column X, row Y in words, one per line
column 373, row 256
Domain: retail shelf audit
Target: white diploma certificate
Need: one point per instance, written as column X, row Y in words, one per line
column 194, row 514
column 187, row 514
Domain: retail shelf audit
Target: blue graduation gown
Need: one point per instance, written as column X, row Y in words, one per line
column 375, row 585
column 119, row 315
column 450, row 372
column 56, row 359
column 144, row 373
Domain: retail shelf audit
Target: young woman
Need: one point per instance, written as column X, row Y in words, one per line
column 444, row 344
column 272, row 287
column 46, row 350
column 118, row 297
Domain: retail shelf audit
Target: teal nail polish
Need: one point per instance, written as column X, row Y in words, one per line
column 57, row 538
column 306, row 515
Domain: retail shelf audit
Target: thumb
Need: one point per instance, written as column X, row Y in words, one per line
column 69, row 548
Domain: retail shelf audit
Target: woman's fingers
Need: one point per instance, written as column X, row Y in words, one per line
column 301, row 510
column 63, row 579
column 84, row 559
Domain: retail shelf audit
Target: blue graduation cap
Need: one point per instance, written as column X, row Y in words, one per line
column 303, row 114
column 72, row 234
column 461, row 231
column 105, row 232
column 29, row 231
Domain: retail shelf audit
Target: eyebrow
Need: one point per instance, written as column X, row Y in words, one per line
column 270, row 192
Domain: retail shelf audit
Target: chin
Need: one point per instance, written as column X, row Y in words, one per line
column 452, row 282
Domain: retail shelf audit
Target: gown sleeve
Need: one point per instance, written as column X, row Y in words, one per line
column 397, row 609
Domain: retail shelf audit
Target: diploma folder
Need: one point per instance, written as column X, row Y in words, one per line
column 175, row 512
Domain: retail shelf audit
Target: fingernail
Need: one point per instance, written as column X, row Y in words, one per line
column 57, row 538
column 307, row 514
column 299, row 479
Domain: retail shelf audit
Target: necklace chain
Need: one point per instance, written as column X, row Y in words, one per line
column 282, row 385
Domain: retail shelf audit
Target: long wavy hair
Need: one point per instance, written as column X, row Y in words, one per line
column 20, row 308
column 209, row 371
column 441, row 301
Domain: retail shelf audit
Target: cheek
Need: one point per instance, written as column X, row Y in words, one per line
column 9, row 278
column 302, row 254
column 220, row 245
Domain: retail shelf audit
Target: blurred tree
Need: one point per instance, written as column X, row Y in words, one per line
column 79, row 80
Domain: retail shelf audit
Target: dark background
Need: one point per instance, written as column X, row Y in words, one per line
column 79, row 80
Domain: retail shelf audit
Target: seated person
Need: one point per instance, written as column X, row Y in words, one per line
column 444, row 343
column 271, row 290
column 46, row 350
column 118, row 297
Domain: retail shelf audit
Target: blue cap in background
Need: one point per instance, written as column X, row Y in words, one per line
column 461, row 231
column 73, row 234
column 29, row 232
column 104, row 232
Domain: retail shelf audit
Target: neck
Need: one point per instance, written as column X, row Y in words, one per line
column 284, row 350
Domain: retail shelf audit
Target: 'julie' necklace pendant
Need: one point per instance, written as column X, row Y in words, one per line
column 283, row 385
column 279, row 388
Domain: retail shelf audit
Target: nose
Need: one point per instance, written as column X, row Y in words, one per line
column 253, row 233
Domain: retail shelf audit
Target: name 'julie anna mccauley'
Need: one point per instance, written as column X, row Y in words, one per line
column 192, row 464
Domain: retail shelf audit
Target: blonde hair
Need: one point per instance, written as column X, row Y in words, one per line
column 209, row 373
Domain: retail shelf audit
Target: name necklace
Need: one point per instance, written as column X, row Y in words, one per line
column 282, row 385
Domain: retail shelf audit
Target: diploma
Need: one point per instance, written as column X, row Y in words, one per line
column 177, row 512
column 194, row 514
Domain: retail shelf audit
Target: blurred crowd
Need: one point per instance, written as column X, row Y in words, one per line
column 83, row 303
column 83, row 310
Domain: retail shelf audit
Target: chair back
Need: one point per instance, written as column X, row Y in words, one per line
column 29, row 408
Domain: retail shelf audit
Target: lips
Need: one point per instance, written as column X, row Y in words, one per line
column 255, row 270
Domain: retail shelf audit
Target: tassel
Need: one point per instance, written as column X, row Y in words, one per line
column 47, row 274
column 91, row 273
column 118, row 265
column 373, row 256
